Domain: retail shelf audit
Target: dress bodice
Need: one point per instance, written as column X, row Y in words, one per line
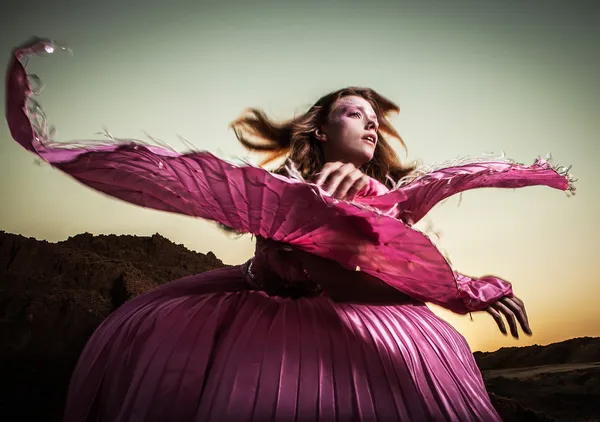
column 277, row 270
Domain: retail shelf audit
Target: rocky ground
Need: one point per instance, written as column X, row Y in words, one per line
column 565, row 392
column 53, row 296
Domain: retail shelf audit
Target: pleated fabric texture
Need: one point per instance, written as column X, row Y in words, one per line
column 205, row 348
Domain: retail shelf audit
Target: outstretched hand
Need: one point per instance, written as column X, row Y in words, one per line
column 513, row 310
column 341, row 180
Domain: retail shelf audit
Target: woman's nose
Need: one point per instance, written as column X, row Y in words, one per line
column 371, row 125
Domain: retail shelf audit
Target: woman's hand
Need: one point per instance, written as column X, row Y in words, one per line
column 513, row 310
column 341, row 180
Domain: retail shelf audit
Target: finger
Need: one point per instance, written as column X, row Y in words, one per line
column 519, row 312
column 324, row 173
column 498, row 318
column 343, row 189
column 521, row 305
column 327, row 169
column 360, row 184
column 510, row 318
column 336, row 177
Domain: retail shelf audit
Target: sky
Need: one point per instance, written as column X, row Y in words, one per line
column 470, row 76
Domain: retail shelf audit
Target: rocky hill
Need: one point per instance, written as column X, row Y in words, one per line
column 577, row 350
column 54, row 295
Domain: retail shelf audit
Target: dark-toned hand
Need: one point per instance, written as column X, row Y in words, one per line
column 513, row 310
column 341, row 180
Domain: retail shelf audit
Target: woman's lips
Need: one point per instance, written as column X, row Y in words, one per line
column 370, row 138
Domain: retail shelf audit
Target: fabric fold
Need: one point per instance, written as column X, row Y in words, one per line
column 373, row 232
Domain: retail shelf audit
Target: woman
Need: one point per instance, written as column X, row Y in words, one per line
column 327, row 322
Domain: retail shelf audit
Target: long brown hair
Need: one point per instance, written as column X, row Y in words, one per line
column 295, row 138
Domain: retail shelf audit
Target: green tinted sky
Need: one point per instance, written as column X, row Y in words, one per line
column 470, row 77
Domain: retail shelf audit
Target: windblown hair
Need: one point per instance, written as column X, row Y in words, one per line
column 296, row 139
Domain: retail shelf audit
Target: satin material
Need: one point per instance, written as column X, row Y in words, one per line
column 205, row 348
column 212, row 348
column 370, row 233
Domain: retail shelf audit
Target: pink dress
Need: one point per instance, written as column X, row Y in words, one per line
column 262, row 341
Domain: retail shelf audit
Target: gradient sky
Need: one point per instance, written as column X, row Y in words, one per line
column 470, row 77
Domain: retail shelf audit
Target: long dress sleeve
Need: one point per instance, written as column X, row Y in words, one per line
column 415, row 198
column 427, row 191
column 479, row 293
column 364, row 234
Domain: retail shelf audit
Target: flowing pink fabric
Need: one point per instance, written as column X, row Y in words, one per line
column 209, row 347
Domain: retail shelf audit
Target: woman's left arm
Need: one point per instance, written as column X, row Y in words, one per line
column 495, row 296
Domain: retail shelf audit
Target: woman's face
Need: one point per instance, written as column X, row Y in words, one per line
column 350, row 134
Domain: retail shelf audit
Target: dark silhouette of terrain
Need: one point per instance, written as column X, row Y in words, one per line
column 577, row 350
column 54, row 295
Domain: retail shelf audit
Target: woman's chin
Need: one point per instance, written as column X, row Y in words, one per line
column 367, row 155
column 358, row 157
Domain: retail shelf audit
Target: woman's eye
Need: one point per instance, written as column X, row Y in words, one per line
column 355, row 114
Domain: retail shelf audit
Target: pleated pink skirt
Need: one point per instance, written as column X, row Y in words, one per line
column 206, row 348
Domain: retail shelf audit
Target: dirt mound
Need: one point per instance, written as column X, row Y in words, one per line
column 513, row 411
column 54, row 295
